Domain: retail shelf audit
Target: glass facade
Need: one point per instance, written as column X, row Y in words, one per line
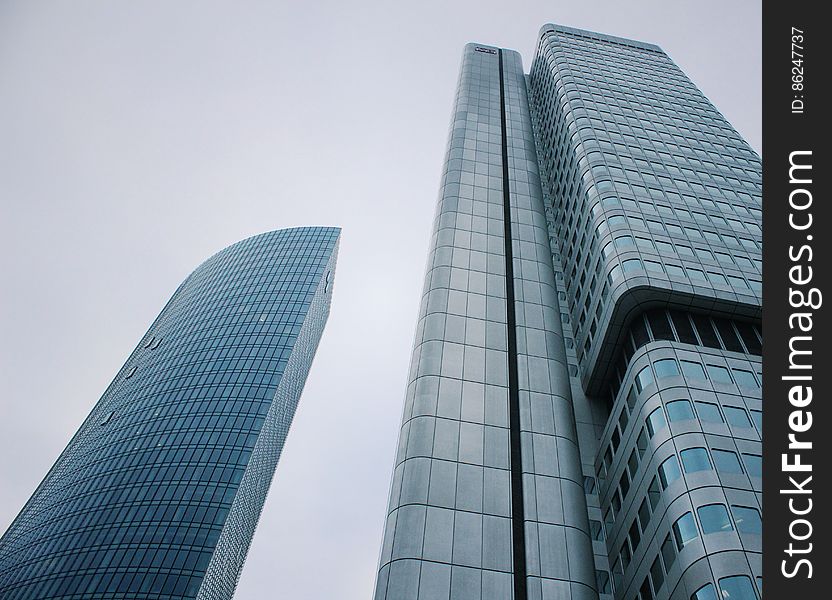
column 159, row 492
column 583, row 408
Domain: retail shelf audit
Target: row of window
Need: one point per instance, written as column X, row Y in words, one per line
column 692, row 460
column 713, row 518
column 689, row 328
column 681, row 409
column 737, row 587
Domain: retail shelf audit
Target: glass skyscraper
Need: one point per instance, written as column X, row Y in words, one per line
column 159, row 492
column 583, row 412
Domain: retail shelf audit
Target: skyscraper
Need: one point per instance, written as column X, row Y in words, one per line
column 583, row 412
column 159, row 492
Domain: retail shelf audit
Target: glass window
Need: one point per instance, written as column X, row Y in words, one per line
column 660, row 325
column 602, row 578
column 589, row 484
column 654, row 494
column 757, row 417
column 726, row 461
column 738, row 587
column 669, row 471
column 656, row 421
column 693, row 370
column 644, row 378
column 596, row 530
column 644, row 515
column 632, row 463
column 706, row 592
column 684, row 330
column 714, row 518
column 684, row 530
column 641, row 442
column 728, row 335
column 679, row 410
column 625, row 555
column 706, row 331
column 617, row 573
column 754, row 464
column 635, row 535
column 668, row 552
column 736, row 417
column 719, row 374
column 745, row 379
column 695, row 459
column 675, row 270
column 657, row 574
column 708, row 412
column 666, row 368
column 639, row 331
column 645, row 591
column 748, row 519
column 631, row 264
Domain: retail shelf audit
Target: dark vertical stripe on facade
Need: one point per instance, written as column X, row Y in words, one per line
column 518, row 529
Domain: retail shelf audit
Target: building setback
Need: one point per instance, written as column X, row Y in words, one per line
column 583, row 413
column 159, row 492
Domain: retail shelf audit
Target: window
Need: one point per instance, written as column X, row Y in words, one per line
column 736, row 417
column 706, row 592
column 602, row 578
column 641, row 443
column 714, row 518
column 644, row 378
column 679, row 410
column 748, row 519
column 589, row 484
column 666, row 368
column 757, row 417
column 656, row 421
column 684, row 530
column 754, row 464
column 719, row 374
column 632, row 464
column 669, row 471
column 596, row 530
column 693, row 370
column 644, row 515
column 656, row 574
column 738, row 587
column 708, row 412
column 654, row 494
column 635, row 535
column 726, row 461
column 668, row 552
column 631, row 264
column 695, row 459
column 645, row 591
column 625, row 555
column 745, row 379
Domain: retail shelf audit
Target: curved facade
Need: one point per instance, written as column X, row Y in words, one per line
column 655, row 206
column 159, row 492
column 487, row 495
column 587, row 358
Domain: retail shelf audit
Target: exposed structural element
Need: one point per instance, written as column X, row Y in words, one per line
column 159, row 492
column 582, row 418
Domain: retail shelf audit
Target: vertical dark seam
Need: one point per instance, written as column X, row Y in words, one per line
column 518, row 527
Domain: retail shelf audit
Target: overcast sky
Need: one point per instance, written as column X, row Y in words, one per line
column 138, row 138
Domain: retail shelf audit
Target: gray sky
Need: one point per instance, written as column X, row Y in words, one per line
column 138, row 138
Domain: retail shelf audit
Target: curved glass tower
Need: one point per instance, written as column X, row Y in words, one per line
column 583, row 415
column 159, row 492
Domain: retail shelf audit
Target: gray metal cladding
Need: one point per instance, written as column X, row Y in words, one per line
column 449, row 527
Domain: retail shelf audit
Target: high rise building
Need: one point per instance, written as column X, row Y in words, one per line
column 583, row 413
column 159, row 492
